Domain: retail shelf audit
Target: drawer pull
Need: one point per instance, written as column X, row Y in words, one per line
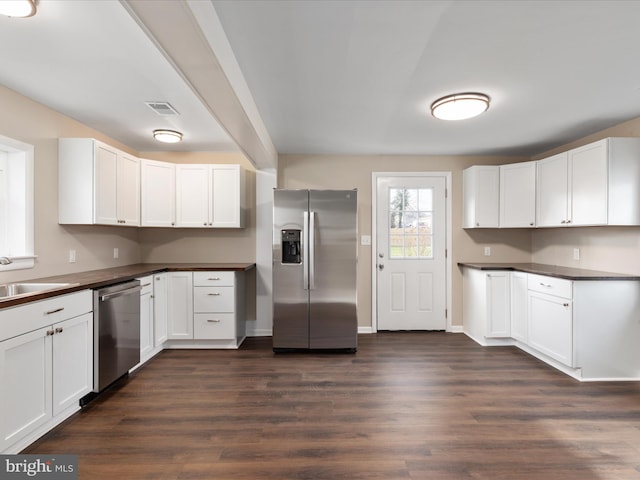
column 214, row 278
column 548, row 285
column 50, row 333
column 146, row 284
column 59, row 330
column 565, row 304
column 215, row 320
column 214, row 294
column 50, row 312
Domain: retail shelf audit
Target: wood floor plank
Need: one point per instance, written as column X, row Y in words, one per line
column 405, row 406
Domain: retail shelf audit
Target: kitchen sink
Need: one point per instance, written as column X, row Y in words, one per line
column 9, row 290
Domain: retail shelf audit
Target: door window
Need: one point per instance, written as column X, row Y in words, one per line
column 410, row 223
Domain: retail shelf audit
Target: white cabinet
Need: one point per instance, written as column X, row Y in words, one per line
column 160, row 316
column 206, row 309
column 481, row 192
column 158, row 197
column 180, row 305
column 46, row 365
column 519, row 306
column 146, row 319
column 210, row 196
column 596, row 184
column 486, row 310
column 97, row 184
column 551, row 318
column 518, row 195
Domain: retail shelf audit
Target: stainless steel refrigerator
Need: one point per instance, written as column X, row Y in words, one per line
column 314, row 269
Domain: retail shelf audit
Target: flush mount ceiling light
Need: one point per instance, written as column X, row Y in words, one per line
column 460, row 106
column 18, row 8
column 167, row 136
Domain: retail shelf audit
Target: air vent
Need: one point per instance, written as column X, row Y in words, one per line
column 163, row 109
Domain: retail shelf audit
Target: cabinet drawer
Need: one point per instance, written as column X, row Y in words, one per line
column 213, row 299
column 32, row 316
column 207, row 326
column 551, row 285
column 209, row 279
column 147, row 285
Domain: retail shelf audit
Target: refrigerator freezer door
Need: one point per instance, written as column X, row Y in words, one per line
column 290, row 296
column 333, row 322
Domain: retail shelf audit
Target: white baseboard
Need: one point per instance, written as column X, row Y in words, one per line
column 456, row 329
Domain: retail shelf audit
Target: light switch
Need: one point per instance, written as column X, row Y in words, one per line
column 72, row 256
column 487, row 251
column 365, row 240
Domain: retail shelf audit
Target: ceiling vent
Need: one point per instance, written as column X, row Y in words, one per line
column 163, row 109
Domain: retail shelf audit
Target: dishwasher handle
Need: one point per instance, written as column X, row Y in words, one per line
column 120, row 293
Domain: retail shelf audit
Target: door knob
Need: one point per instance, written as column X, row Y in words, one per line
column 380, row 266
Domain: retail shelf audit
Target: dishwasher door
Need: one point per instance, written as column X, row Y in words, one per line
column 116, row 342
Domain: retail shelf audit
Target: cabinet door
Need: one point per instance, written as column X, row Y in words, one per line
column 160, row 309
column 226, row 191
column 146, row 318
column 128, row 191
column 551, row 326
column 25, row 376
column 105, row 184
column 481, row 197
column 518, row 306
column 552, row 192
column 72, row 361
column 192, row 196
column 180, row 305
column 158, row 198
column 518, row 195
column 588, row 171
column 498, row 314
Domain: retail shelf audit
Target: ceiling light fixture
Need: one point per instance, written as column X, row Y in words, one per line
column 18, row 8
column 167, row 136
column 460, row 106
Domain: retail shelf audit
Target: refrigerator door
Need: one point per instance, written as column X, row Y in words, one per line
column 333, row 322
column 290, row 287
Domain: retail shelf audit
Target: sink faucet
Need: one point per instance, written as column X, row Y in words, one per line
column 5, row 261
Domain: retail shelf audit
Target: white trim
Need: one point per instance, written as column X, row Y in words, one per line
column 374, row 248
column 365, row 330
column 456, row 329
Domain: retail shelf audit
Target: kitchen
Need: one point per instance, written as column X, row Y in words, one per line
column 601, row 248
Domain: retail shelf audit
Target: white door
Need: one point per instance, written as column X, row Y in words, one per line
column 411, row 247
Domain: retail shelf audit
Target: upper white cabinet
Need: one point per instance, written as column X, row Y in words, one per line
column 209, row 196
column 98, row 184
column 596, row 184
column 158, row 197
column 481, row 192
column 518, row 195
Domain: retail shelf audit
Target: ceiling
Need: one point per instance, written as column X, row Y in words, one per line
column 332, row 77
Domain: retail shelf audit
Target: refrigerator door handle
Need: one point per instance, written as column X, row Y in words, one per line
column 305, row 248
column 312, row 250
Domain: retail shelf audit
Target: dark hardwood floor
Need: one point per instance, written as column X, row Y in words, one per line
column 405, row 406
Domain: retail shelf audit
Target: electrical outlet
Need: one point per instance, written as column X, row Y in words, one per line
column 72, row 256
column 116, row 252
column 576, row 254
column 487, row 251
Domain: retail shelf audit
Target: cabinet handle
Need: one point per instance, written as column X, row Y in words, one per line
column 50, row 333
column 205, row 224
column 50, row 312
column 146, row 284
column 477, row 224
column 214, row 278
column 59, row 330
column 215, row 320
column 565, row 304
column 531, row 223
column 548, row 285
column 568, row 221
column 213, row 294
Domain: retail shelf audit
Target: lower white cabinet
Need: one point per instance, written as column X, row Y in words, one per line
column 146, row 319
column 587, row 328
column 206, row 308
column 160, row 314
column 486, row 310
column 46, row 370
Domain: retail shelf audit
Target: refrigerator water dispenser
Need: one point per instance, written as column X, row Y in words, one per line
column 291, row 246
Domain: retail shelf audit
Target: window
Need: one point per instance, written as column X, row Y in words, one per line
column 410, row 222
column 16, row 204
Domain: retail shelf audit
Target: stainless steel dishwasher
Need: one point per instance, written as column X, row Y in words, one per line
column 116, row 332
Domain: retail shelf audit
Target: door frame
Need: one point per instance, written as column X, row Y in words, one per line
column 374, row 240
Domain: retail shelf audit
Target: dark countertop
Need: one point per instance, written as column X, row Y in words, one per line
column 107, row 276
column 551, row 271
